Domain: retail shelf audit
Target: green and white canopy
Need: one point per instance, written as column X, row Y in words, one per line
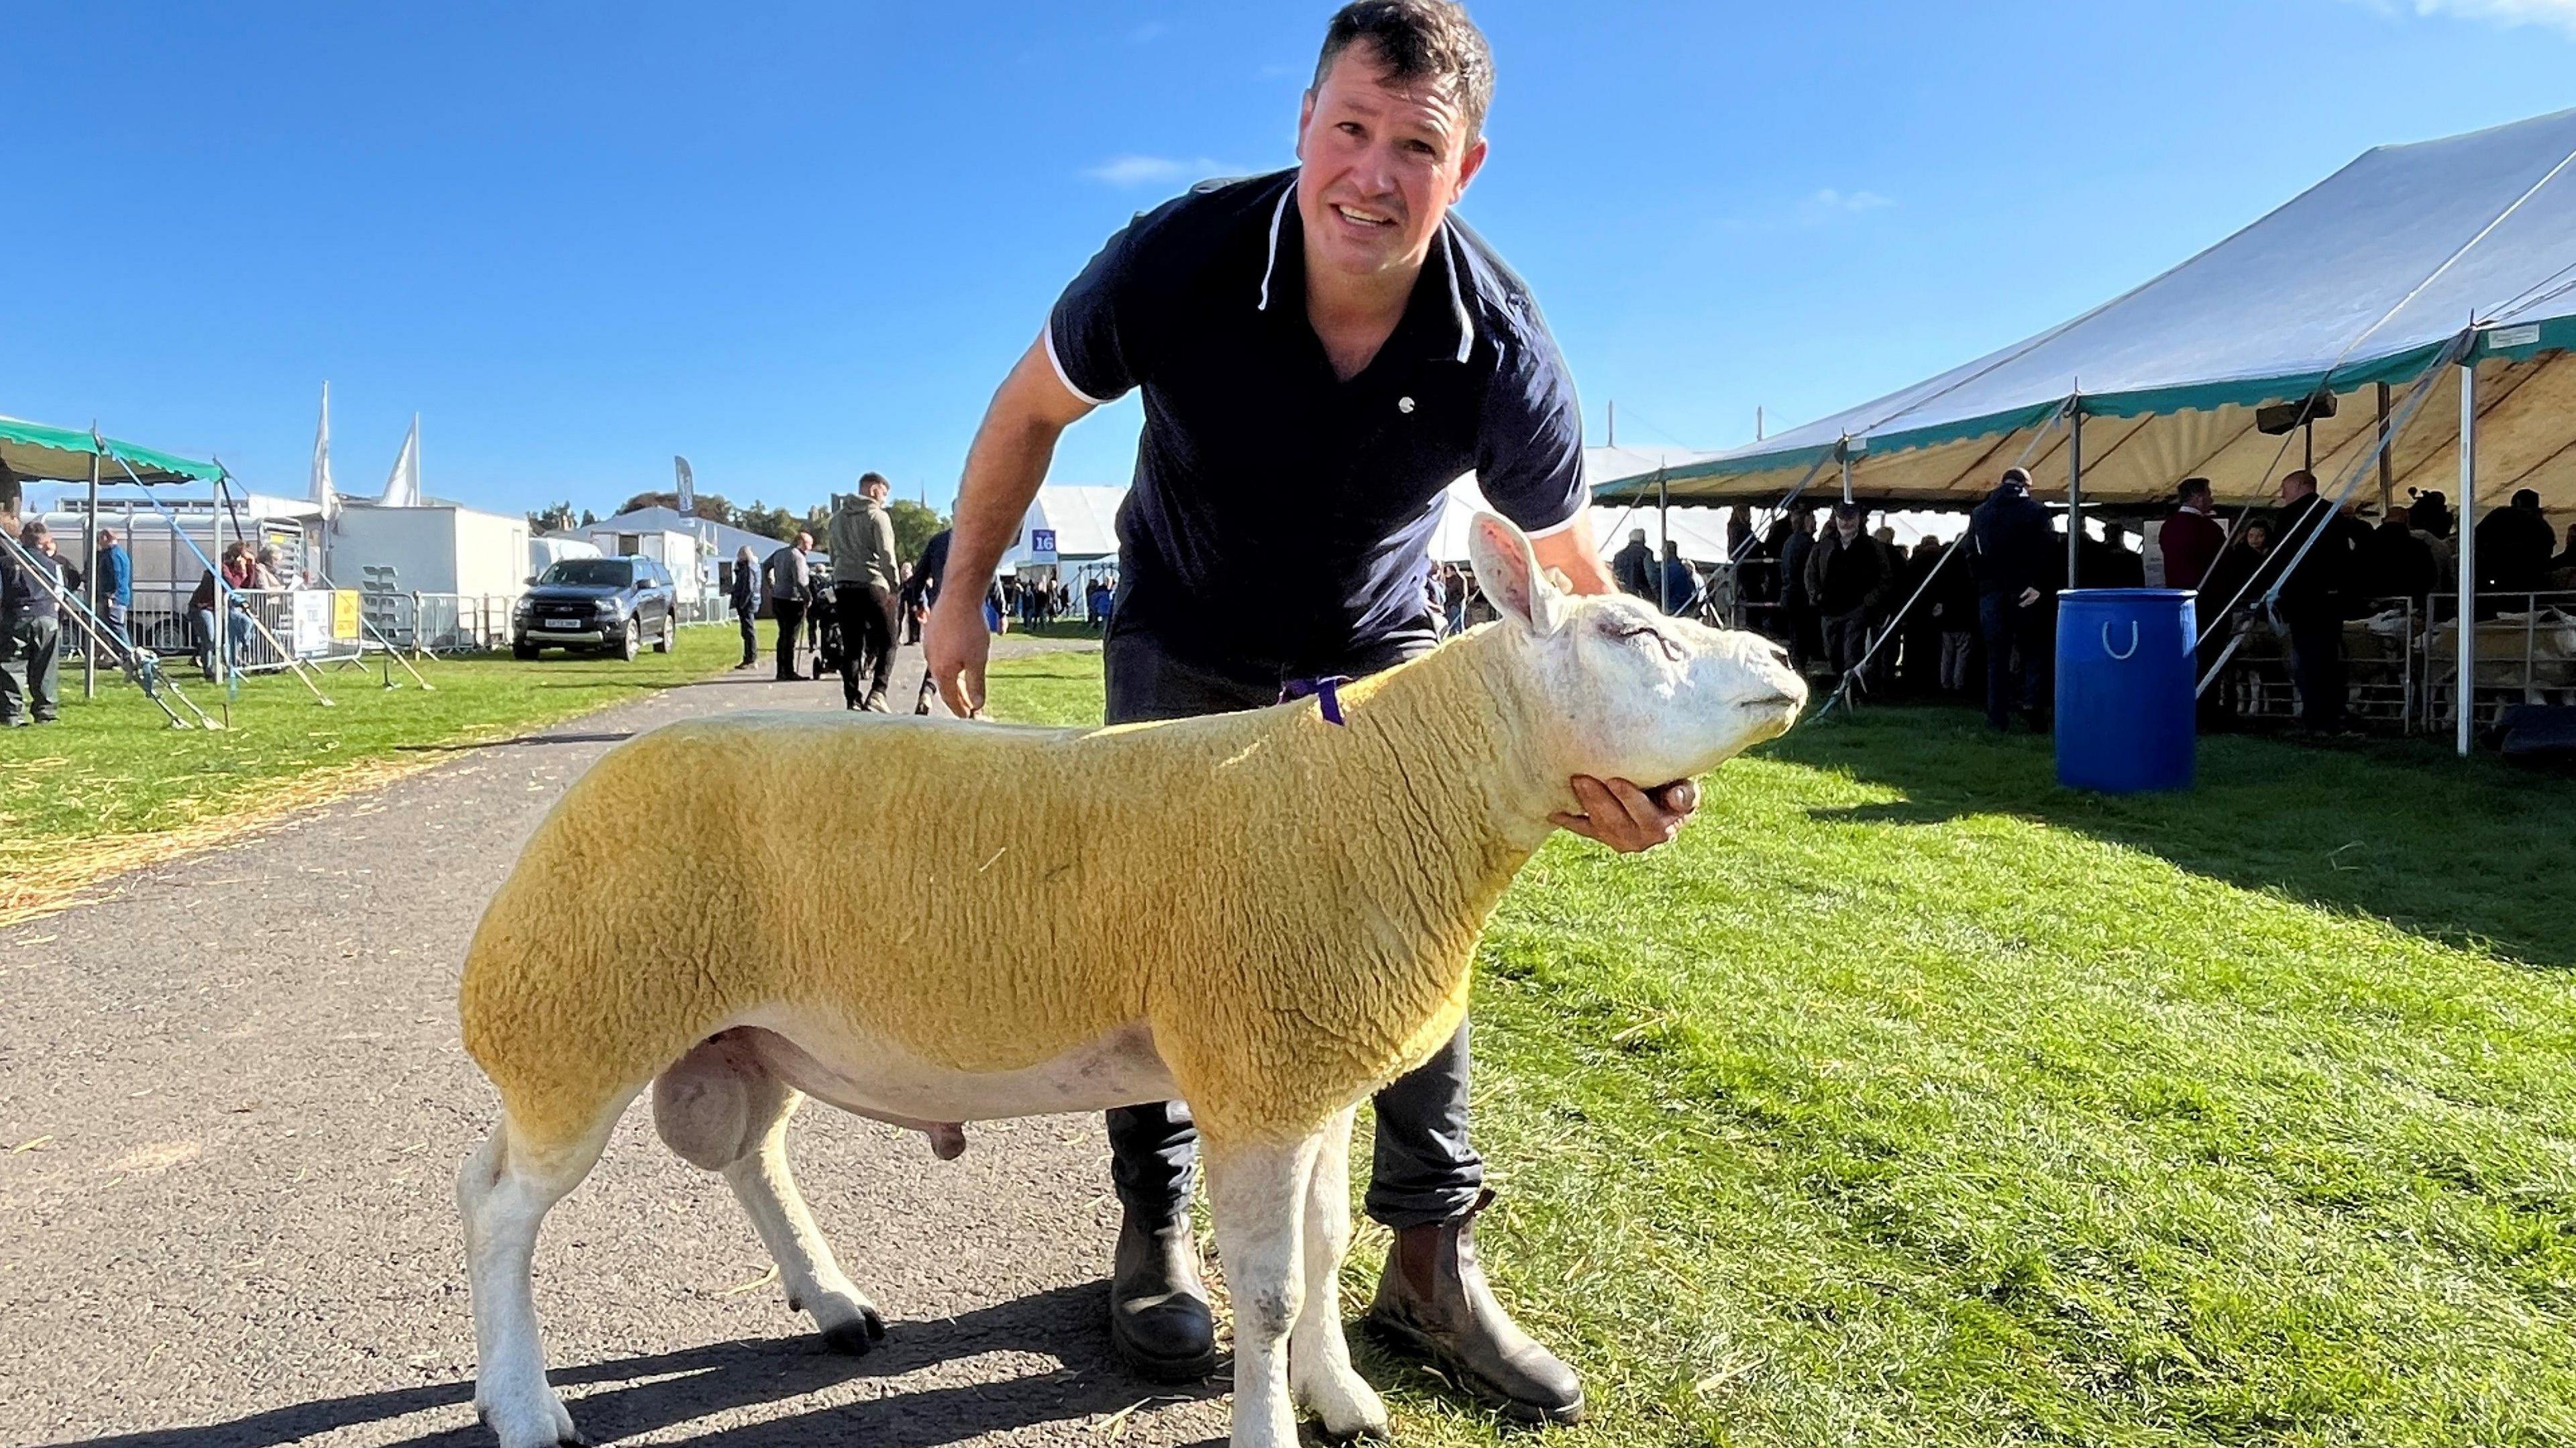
column 2364, row 280
column 38, row 453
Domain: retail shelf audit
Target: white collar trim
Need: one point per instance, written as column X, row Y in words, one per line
column 1449, row 245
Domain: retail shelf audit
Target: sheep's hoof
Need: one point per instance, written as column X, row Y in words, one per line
column 853, row 1339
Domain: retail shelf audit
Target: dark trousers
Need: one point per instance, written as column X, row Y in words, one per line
column 1423, row 1170
column 791, row 623
column 2316, row 665
column 867, row 639
column 30, row 658
column 2016, row 640
column 1846, row 639
column 750, row 636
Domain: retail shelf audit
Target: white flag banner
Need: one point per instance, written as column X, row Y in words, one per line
column 324, row 496
column 688, row 494
column 402, row 489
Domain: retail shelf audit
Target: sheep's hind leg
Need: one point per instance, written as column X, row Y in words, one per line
column 503, row 1192
column 720, row 1109
column 1320, row 1375
column 1258, row 1197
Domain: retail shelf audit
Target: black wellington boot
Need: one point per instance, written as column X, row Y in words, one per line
column 1158, row 1310
column 1433, row 1302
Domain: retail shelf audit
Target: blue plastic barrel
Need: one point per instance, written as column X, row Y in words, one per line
column 2124, row 689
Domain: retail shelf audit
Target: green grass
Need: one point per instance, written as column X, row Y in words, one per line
column 112, row 767
column 1910, row 1099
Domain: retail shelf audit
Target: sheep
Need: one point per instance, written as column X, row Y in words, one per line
column 1269, row 914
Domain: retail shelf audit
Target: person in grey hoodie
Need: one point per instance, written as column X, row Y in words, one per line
column 865, row 580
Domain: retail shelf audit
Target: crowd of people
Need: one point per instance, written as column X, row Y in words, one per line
column 1837, row 594
column 45, row 599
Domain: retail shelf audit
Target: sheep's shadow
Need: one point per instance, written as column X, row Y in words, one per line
column 628, row 1397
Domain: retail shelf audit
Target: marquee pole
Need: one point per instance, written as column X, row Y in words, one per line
column 2464, row 687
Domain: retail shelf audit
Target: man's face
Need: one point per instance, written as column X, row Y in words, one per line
column 1382, row 163
column 1848, row 527
column 45, row 544
column 804, row 541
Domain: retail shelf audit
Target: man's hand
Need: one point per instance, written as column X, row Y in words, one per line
column 1625, row 817
column 955, row 645
column 2029, row 596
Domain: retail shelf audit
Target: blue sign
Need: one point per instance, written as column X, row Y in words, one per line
column 1041, row 540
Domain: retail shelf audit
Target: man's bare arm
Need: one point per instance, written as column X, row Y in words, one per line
column 1004, row 468
column 1572, row 552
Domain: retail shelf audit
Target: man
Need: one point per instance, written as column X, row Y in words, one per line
column 2514, row 544
column 1330, row 339
column 864, row 579
column 2191, row 538
column 1848, row 577
column 742, row 590
column 789, row 578
column 1634, row 566
column 2394, row 562
column 2012, row 553
column 921, row 585
column 1680, row 582
column 32, row 579
column 115, row 592
column 1797, row 608
column 2312, row 596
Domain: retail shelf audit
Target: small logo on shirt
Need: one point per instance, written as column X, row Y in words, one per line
column 1404, row 404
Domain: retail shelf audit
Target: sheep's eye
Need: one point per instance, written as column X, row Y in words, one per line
column 1672, row 651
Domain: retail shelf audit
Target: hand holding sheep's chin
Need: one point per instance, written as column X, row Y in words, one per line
column 1627, row 817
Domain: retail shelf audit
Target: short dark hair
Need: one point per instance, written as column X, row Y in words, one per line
column 2192, row 487
column 2526, row 498
column 1418, row 40
column 877, row 478
column 2017, row 475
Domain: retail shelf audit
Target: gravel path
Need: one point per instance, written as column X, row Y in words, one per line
column 238, row 1226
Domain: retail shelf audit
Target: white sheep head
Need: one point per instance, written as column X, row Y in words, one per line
column 1639, row 696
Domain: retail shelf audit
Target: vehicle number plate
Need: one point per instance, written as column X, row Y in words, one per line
column 563, row 623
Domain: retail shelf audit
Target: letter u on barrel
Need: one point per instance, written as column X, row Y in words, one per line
column 2124, row 714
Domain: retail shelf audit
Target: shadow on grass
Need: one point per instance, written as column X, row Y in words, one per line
column 519, row 741
column 640, row 1395
column 2470, row 853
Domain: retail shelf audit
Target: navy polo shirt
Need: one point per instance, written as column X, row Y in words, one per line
column 1280, row 515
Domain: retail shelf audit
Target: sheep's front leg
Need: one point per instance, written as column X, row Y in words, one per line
column 1257, row 1194
column 1320, row 1375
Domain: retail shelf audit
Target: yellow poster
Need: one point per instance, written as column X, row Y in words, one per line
column 344, row 613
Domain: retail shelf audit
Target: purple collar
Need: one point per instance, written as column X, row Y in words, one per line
column 1326, row 689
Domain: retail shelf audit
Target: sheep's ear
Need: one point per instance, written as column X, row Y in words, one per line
column 1507, row 570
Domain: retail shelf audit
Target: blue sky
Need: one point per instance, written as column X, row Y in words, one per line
column 793, row 242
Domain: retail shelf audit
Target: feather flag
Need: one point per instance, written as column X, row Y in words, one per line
column 402, row 489
column 324, row 495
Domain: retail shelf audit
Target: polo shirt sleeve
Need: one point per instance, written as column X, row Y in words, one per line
column 1529, row 462
column 1092, row 334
